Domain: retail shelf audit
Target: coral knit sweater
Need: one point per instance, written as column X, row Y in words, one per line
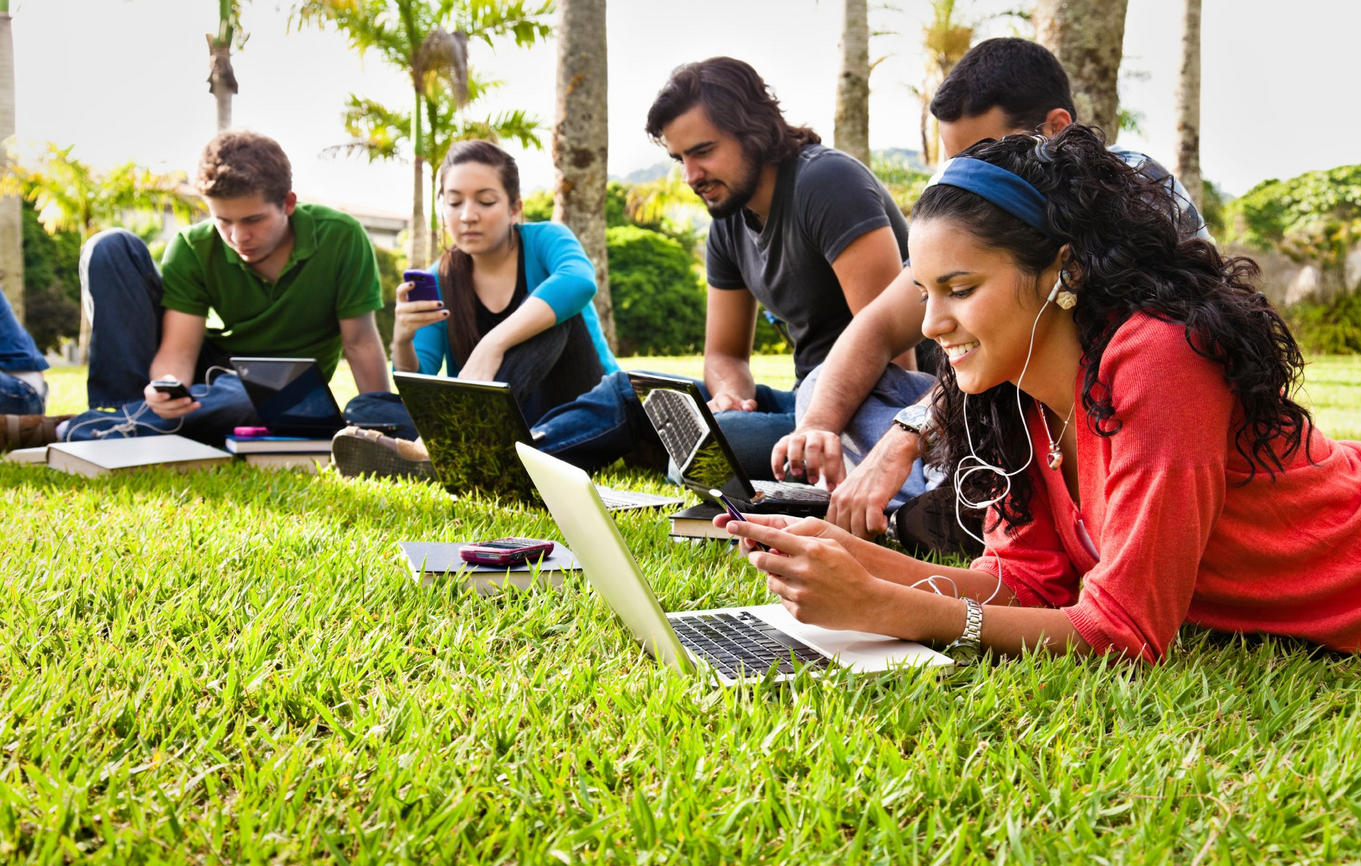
column 1167, row 533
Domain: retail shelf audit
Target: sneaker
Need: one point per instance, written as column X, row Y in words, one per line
column 29, row 431
column 356, row 451
column 928, row 522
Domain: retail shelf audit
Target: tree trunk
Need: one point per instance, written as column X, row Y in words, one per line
column 415, row 254
column 852, row 130
column 221, row 80
column 1188, row 104
column 581, row 139
column 11, row 211
column 1088, row 38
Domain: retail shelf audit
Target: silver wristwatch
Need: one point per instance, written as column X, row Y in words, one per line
column 969, row 646
column 916, row 419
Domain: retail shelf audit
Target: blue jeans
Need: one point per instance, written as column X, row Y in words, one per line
column 608, row 422
column 17, row 397
column 895, row 389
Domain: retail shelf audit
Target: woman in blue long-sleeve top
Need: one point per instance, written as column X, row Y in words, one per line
column 515, row 306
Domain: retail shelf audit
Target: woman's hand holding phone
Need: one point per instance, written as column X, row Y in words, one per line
column 418, row 305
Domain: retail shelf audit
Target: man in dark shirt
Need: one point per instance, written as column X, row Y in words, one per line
column 803, row 229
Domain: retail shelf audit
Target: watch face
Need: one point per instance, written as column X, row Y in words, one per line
column 916, row 418
column 964, row 653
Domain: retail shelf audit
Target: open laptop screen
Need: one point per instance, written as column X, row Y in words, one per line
column 678, row 413
column 290, row 396
column 470, row 430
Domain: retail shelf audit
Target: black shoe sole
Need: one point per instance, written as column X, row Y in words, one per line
column 928, row 523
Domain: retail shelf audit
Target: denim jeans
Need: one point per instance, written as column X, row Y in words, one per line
column 608, row 422
column 545, row 371
column 17, row 397
column 895, row 389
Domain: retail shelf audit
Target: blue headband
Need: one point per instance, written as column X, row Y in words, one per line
column 1011, row 192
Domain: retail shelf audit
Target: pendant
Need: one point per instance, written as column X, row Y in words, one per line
column 1055, row 458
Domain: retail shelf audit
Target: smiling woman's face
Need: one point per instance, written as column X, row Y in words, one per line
column 979, row 305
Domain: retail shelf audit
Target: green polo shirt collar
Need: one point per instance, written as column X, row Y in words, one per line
column 304, row 245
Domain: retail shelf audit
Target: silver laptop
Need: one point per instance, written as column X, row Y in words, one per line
column 738, row 643
column 468, row 427
column 678, row 412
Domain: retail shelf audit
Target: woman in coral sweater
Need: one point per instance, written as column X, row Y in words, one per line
column 1122, row 404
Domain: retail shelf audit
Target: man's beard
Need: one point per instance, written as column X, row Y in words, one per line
column 740, row 192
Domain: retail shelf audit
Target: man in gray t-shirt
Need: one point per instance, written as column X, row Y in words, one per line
column 804, row 229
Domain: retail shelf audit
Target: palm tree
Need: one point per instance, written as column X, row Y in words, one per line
column 1188, row 104
column 11, row 211
column 852, row 125
column 945, row 40
column 221, row 77
column 70, row 196
column 581, row 140
column 379, row 132
column 1088, row 38
column 429, row 40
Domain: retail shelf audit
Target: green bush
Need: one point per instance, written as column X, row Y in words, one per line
column 658, row 294
column 1330, row 329
column 391, row 263
column 51, row 282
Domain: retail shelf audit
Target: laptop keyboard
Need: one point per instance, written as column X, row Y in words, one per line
column 621, row 499
column 739, row 644
column 677, row 423
column 791, row 492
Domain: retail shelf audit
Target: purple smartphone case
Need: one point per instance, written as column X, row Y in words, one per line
column 423, row 286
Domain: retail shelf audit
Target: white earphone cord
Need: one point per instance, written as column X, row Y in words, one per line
column 980, row 465
column 132, row 420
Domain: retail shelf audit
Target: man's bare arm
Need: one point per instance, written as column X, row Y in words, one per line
column 363, row 350
column 729, row 329
column 176, row 358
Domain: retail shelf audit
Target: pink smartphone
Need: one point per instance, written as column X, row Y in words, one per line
column 423, row 286
column 505, row 551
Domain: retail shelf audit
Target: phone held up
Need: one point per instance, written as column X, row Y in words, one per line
column 733, row 512
column 171, row 387
column 422, row 286
column 505, row 551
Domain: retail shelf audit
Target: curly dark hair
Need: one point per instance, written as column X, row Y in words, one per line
column 738, row 102
column 1124, row 257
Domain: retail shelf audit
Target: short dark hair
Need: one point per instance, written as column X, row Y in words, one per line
column 738, row 102
column 1020, row 76
column 237, row 163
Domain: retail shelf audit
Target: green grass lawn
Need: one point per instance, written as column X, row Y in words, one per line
column 235, row 666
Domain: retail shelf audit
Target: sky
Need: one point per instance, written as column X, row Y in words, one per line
column 126, row 80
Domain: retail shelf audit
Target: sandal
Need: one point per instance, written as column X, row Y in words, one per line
column 355, row 451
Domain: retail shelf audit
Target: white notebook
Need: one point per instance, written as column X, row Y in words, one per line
column 100, row 457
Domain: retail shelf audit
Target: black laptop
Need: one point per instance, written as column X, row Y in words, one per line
column 680, row 415
column 291, row 396
column 470, row 429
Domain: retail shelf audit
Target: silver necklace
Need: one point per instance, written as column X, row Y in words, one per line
column 1055, row 456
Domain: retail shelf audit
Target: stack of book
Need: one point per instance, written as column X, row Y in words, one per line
column 281, row 452
column 697, row 523
column 102, row 457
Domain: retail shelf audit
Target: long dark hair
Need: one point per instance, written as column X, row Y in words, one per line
column 738, row 102
column 1124, row 258
column 456, row 266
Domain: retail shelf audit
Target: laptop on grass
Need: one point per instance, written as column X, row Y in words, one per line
column 471, row 430
column 291, row 396
column 679, row 413
column 738, row 643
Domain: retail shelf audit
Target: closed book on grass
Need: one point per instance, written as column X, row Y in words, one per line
column 277, row 445
column 27, row 455
column 102, row 456
column 697, row 521
column 309, row 463
column 434, row 561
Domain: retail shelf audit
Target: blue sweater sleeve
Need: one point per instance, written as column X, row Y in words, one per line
column 432, row 343
column 570, row 282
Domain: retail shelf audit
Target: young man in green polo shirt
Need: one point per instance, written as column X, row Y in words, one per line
column 264, row 276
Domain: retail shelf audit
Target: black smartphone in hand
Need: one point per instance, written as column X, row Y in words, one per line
column 171, row 387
